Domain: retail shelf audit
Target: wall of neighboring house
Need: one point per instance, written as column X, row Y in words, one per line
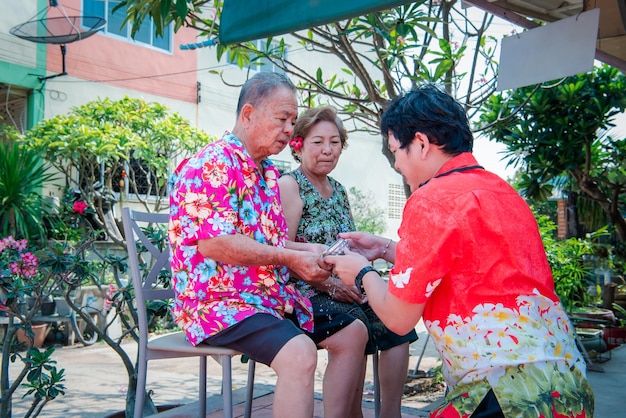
column 107, row 65
column 21, row 62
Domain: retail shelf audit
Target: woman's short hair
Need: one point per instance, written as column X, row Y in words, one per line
column 434, row 113
column 311, row 117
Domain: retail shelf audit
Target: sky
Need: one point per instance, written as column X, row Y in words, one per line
column 488, row 155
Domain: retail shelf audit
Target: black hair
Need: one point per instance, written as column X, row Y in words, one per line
column 428, row 110
column 260, row 86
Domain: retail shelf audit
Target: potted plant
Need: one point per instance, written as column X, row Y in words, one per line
column 22, row 176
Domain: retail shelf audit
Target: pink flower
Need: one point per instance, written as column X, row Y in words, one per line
column 110, row 298
column 21, row 244
column 296, row 143
column 15, row 259
column 79, row 207
column 26, row 268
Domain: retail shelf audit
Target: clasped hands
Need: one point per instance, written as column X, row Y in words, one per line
column 364, row 247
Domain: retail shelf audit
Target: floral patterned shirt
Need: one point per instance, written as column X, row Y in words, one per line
column 221, row 191
column 322, row 219
column 470, row 250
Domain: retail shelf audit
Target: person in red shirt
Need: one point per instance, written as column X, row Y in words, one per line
column 469, row 262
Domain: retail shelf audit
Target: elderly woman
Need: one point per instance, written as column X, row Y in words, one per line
column 317, row 210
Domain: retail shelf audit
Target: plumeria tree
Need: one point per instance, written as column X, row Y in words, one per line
column 107, row 149
column 380, row 54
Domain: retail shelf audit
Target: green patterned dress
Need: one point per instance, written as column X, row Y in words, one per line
column 321, row 221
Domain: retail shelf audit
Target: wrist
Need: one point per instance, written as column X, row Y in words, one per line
column 358, row 280
column 385, row 249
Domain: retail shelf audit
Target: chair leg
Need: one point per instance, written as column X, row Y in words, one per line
column 202, row 387
column 140, row 393
column 227, row 386
column 376, row 385
column 250, row 389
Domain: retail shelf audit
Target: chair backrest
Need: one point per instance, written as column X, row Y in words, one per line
column 146, row 284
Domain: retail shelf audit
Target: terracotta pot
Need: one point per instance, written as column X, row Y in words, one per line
column 596, row 316
column 40, row 331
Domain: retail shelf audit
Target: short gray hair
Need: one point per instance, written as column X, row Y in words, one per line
column 260, row 86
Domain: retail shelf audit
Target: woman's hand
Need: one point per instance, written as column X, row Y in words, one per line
column 368, row 245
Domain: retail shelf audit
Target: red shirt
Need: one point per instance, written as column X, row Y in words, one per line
column 470, row 250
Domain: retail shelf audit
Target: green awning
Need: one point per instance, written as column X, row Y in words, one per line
column 245, row 20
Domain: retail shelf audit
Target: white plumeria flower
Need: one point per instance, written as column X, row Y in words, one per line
column 430, row 287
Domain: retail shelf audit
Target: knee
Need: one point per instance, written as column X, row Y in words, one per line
column 298, row 356
column 351, row 339
column 356, row 334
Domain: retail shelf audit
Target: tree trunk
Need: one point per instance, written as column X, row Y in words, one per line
column 590, row 187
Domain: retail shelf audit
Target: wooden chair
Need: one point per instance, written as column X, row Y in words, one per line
column 173, row 345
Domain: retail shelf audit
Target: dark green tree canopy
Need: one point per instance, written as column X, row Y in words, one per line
column 380, row 54
column 560, row 135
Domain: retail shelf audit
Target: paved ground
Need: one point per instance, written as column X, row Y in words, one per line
column 96, row 385
column 96, row 382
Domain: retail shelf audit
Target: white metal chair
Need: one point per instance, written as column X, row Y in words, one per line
column 171, row 345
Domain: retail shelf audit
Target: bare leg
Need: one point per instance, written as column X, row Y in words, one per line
column 392, row 372
column 295, row 368
column 343, row 372
column 357, row 402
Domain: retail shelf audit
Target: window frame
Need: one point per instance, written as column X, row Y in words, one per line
column 90, row 7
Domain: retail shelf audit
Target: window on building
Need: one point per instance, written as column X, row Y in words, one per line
column 142, row 176
column 13, row 106
column 397, row 199
column 262, row 64
column 115, row 27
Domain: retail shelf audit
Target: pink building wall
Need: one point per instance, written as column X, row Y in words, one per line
column 113, row 61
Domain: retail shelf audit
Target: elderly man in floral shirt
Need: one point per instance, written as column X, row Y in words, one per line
column 230, row 252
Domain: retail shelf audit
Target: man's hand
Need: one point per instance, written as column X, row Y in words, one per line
column 347, row 266
column 310, row 267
